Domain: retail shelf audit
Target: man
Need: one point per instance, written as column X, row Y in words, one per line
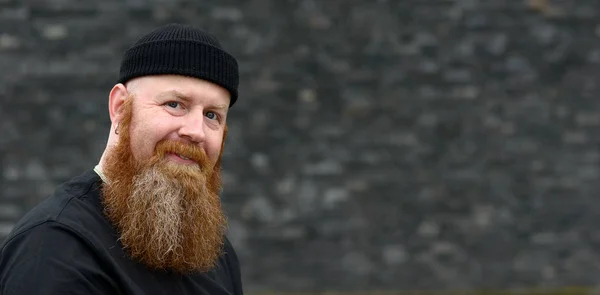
column 147, row 219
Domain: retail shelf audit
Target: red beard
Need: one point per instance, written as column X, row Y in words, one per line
column 168, row 215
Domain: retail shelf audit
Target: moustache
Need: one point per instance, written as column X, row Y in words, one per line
column 190, row 151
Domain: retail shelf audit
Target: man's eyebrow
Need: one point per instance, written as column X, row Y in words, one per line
column 173, row 94
column 178, row 95
column 219, row 106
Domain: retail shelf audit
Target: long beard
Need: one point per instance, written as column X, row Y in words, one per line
column 168, row 215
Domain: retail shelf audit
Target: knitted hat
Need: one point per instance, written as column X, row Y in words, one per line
column 181, row 50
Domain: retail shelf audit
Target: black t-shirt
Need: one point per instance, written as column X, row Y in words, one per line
column 65, row 245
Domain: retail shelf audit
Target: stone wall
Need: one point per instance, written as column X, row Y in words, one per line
column 376, row 144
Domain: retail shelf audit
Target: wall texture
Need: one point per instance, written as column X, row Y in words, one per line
column 376, row 145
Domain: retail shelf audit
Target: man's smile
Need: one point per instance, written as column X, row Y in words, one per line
column 180, row 158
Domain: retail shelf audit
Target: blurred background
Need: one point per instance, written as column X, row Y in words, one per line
column 376, row 145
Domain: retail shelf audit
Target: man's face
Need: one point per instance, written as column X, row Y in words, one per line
column 163, row 174
column 177, row 108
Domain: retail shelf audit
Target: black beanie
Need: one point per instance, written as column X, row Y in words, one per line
column 181, row 50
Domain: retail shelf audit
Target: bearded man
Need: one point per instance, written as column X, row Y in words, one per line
column 148, row 218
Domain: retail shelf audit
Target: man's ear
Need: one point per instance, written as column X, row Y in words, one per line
column 117, row 97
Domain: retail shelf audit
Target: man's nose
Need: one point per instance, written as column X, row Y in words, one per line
column 192, row 128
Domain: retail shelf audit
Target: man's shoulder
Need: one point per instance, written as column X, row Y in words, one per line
column 229, row 266
column 229, row 250
column 52, row 256
column 71, row 203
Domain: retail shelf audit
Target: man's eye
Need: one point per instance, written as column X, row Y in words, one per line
column 211, row 115
column 172, row 104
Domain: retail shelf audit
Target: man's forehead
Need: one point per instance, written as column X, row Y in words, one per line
column 174, row 87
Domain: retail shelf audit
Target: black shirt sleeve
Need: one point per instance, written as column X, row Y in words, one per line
column 234, row 268
column 49, row 259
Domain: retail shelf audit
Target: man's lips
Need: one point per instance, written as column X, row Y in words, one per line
column 181, row 158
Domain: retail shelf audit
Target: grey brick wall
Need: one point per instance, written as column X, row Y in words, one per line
column 402, row 144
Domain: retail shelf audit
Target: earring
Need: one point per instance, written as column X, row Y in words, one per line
column 117, row 129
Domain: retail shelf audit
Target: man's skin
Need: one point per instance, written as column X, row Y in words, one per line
column 161, row 114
